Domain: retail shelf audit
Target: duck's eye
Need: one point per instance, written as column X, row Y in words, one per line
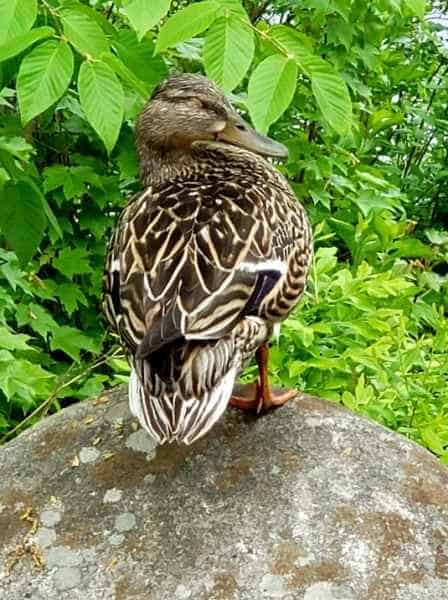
column 241, row 127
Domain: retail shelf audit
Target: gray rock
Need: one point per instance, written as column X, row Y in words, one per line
column 45, row 537
column 125, row 522
column 140, row 441
column 67, row 578
column 112, row 495
column 50, row 518
column 60, row 556
column 88, row 455
column 309, row 502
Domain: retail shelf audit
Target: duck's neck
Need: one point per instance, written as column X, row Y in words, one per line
column 158, row 165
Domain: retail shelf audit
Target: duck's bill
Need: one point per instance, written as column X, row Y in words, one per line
column 239, row 133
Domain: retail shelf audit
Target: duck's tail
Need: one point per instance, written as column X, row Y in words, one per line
column 180, row 392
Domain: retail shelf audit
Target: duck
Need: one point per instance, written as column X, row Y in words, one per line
column 204, row 263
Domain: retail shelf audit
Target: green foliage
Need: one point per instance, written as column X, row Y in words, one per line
column 357, row 91
column 271, row 89
column 43, row 77
column 23, row 220
column 102, row 99
column 228, row 51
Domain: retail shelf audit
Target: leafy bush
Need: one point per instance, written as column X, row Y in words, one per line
column 358, row 91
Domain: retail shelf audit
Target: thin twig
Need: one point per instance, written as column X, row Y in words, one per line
column 109, row 11
column 46, row 404
column 278, row 45
column 257, row 12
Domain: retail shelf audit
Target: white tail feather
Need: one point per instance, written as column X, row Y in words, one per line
column 195, row 417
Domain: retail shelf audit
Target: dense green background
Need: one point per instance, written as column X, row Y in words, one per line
column 359, row 93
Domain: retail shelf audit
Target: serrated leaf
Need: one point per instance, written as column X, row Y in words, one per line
column 228, row 51
column 271, row 89
column 72, row 261
column 417, row 7
column 102, row 99
column 125, row 74
column 143, row 15
column 16, row 18
column 84, row 32
column 22, row 42
column 232, row 7
column 297, row 45
column 71, row 341
column 332, row 97
column 37, row 318
column 25, row 380
column 329, row 88
column 13, row 341
column 187, row 23
column 22, row 219
column 413, row 248
column 70, row 296
column 44, row 75
column 16, row 146
column 72, row 179
column 139, row 57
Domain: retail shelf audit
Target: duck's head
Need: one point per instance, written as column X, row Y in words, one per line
column 190, row 108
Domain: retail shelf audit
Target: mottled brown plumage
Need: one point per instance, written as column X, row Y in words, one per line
column 204, row 261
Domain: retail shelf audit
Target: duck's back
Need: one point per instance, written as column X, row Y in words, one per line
column 197, row 261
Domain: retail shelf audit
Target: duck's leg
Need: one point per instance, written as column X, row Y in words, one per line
column 260, row 396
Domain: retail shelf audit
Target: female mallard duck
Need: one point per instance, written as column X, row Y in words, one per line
column 205, row 260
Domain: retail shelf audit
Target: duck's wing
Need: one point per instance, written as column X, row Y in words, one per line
column 191, row 258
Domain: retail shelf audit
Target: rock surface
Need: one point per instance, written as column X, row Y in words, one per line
column 309, row 502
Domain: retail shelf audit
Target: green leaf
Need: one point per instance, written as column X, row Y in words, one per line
column 102, row 99
column 46, row 207
column 383, row 118
column 297, row 45
column 319, row 5
column 143, row 15
column 44, row 75
column 16, row 146
column 433, row 441
column 332, row 97
column 84, row 32
column 22, row 220
column 271, row 89
column 24, row 380
column 232, row 7
column 37, row 318
column 187, row 23
column 437, row 237
column 413, row 248
column 71, row 341
column 13, row 341
column 417, row 7
column 228, row 51
column 73, row 261
column 72, row 179
column 22, row 42
column 16, row 18
column 139, row 57
column 125, row 74
column 329, row 88
column 70, row 296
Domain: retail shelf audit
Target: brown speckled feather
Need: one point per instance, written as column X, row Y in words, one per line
column 181, row 248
